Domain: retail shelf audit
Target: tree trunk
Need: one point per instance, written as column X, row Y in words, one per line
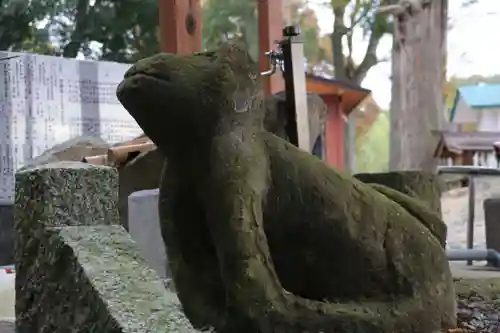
column 418, row 56
column 78, row 36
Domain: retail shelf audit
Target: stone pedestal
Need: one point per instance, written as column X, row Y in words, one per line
column 6, row 235
column 77, row 269
column 144, row 227
column 491, row 208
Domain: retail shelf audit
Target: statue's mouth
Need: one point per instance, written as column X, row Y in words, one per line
column 147, row 75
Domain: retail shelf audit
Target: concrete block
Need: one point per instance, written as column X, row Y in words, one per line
column 144, row 227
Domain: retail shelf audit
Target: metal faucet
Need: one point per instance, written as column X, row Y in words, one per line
column 275, row 59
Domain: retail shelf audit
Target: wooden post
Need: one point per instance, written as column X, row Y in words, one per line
column 180, row 26
column 270, row 31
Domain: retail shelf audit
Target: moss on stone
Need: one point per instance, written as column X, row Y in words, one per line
column 423, row 185
column 144, row 171
column 77, row 270
column 262, row 236
column 92, row 279
column 419, row 210
column 63, row 193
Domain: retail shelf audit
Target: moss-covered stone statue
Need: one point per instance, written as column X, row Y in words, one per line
column 144, row 171
column 264, row 237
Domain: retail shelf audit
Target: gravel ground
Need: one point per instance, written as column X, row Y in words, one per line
column 479, row 305
column 454, row 205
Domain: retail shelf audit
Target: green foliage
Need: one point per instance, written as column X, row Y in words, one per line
column 373, row 151
column 228, row 19
column 135, row 33
column 350, row 15
column 224, row 19
column 364, row 13
column 313, row 51
column 125, row 30
column 16, row 22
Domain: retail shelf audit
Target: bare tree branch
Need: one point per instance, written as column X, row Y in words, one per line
column 344, row 65
column 370, row 58
column 355, row 21
column 399, row 7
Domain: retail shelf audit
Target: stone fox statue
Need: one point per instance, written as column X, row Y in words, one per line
column 263, row 237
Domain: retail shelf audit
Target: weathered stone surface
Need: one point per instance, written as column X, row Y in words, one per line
column 77, row 269
column 263, row 237
column 54, row 195
column 144, row 171
column 422, row 185
column 66, row 193
column 72, row 150
column 93, row 279
column 430, row 219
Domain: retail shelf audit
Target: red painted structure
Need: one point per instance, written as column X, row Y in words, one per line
column 180, row 32
column 270, row 31
column 341, row 98
column 175, row 37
